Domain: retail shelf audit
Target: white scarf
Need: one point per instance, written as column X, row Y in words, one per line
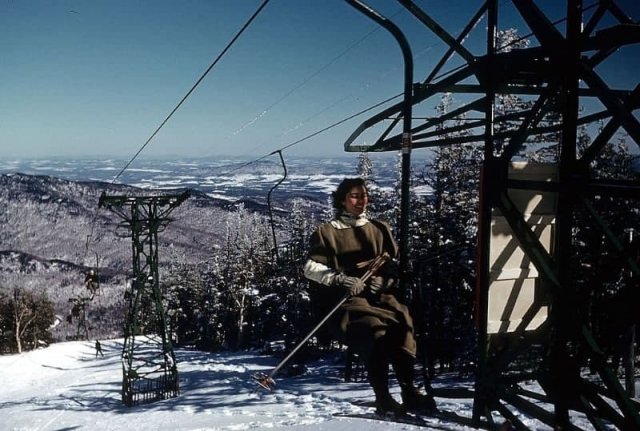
column 347, row 220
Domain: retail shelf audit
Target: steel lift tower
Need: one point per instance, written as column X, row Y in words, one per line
column 528, row 297
column 149, row 369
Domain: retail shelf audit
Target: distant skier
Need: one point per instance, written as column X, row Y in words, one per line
column 99, row 349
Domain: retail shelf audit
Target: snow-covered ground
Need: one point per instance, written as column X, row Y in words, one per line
column 66, row 387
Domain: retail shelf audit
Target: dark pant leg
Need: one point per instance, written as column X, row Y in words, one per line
column 366, row 337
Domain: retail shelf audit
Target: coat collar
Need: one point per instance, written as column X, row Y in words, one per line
column 346, row 220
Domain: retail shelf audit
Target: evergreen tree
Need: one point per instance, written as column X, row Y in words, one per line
column 365, row 167
column 377, row 196
column 328, row 211
column 183, row 296
column 444, row 245
column 384, row 204
column 607, row 290
column 283, row 303
column 300, row 227
column 238, row 275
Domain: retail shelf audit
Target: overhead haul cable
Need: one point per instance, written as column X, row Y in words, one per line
column 206, row 72
column 307, row 79
column 312, row 134
column 304, row 82
column 236, row 167
column 224, row 51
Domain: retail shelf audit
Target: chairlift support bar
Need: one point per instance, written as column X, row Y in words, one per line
column 273, row 229
column 407, row 106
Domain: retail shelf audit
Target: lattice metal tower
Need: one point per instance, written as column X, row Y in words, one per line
column 149, row 369
column 568, row 71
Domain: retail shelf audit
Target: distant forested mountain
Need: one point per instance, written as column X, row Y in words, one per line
column 53, row 233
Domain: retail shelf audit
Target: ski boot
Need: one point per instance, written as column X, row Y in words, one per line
column 386, row 405
column 416, row 402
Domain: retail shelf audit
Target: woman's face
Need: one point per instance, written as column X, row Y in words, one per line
column 356, row 200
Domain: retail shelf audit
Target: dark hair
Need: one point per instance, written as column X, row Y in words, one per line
column 343, row 188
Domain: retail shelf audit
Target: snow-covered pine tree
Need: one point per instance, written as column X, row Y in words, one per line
column 283, row 303
column 444, row 248
column 364, row 170
column 245, row 252
column 612, row 305
column 365, row 167
column 327, row 211
column 384, row 204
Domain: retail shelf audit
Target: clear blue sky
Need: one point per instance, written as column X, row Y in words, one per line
column 97, row 77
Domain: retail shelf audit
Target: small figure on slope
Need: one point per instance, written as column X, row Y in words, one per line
column 99, row 349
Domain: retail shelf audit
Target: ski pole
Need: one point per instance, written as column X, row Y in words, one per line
column 266, row 380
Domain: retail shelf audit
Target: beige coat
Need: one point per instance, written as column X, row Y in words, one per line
column 338, row 246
